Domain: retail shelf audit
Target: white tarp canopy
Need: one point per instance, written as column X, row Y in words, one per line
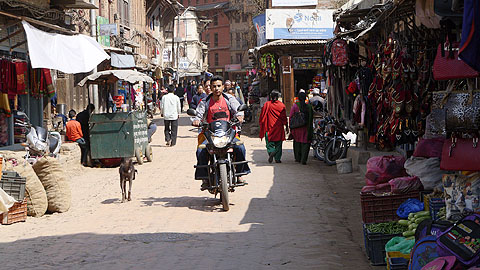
column 130, row 76
column 68, row 54
column 122, row 60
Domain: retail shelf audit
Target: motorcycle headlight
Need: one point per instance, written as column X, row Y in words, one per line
column 220, row 142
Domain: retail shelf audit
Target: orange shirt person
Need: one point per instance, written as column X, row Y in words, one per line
column 74, row 133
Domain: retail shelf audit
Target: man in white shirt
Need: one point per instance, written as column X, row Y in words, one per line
column 171, row 109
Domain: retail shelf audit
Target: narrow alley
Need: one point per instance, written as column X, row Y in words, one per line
column 290, row 216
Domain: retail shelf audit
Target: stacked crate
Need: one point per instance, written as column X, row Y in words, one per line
column 14, row 185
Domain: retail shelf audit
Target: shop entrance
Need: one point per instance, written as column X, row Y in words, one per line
column 304, row 79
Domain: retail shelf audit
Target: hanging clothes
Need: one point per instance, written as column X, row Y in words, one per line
column 21, row 69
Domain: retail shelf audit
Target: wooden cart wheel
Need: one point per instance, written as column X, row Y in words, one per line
column 149, row 153
column 139, row 156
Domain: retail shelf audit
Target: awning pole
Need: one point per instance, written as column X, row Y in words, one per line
column 37, row 22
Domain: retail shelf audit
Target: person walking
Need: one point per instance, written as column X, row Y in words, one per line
column 180, row 92
column 272, row 119
column 302, row 136
column 170, row 111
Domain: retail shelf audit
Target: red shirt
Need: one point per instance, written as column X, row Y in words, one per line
column 220, row 108
column 74, row 130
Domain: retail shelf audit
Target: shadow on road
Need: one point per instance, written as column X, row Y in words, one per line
column 206, row 204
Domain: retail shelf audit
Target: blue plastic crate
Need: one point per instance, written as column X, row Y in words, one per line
column 435, row 204
column 398, row 263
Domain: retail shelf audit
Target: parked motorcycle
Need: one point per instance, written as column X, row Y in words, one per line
column 221, row 168
column 40, row 142
column 329, row 142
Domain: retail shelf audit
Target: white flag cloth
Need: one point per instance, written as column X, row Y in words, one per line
column 68, row 54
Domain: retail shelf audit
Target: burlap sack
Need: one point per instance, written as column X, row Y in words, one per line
column 34, row 191
column 53, row 178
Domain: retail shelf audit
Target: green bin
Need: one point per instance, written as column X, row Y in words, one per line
column 117, row 135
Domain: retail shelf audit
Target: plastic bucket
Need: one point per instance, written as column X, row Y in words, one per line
column 344, row 165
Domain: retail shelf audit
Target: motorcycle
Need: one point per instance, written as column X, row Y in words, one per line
column 221, row 168
column 329, row 142
column 40, row 142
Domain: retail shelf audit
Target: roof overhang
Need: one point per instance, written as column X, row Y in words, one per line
column 283, row 46
column 73, row 4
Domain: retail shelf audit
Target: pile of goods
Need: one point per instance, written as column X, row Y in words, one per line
column 45, row 187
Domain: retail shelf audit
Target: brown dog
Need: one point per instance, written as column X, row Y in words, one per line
column 127, row 173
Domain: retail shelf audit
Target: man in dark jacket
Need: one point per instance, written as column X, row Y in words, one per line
column 180, row 92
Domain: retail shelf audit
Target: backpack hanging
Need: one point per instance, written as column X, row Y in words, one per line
column 339, row 53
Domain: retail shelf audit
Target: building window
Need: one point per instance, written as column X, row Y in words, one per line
column 215, row 19
column 216, row 59
column 123, row 10
column 231, row 59
column 215, row 40
column 189, row 2
column 237, row 40
column 244, row 17
column 197, row 2
column 207, row 38
column 237, row 18
column 239, row 58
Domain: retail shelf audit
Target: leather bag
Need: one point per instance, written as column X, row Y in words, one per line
column 460, row 154
column 460, row 110
column 298, row 120
column 447, row 65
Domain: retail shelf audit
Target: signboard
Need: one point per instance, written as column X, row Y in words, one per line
column 108, row 30
column 307, row 63
column 259, row 23
column 233, row 67
column 296, row 3
column 167, row 55
column 103, row 38
column 299, row 24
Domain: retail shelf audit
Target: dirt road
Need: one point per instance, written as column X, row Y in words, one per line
column 290, row 216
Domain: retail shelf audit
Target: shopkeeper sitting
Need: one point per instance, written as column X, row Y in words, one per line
column 74, row 134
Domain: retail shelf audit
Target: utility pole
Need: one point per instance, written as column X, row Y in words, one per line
column 93, row 31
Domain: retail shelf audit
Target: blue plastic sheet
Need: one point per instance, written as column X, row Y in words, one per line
column 409, row 206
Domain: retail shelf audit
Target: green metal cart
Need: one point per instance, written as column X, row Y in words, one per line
column 120, row 134
column 115, row 135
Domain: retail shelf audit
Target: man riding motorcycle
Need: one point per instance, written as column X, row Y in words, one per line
column 218, row 106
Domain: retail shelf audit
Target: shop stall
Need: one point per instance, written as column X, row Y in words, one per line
column 413, row 88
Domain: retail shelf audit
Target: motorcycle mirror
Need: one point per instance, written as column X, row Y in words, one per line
column 242, row 108
column 22, row 114
column 192, row 112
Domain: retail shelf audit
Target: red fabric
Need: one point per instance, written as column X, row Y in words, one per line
column 21, row 70
column 50, row 91
column 272, row 119
column 217, row 107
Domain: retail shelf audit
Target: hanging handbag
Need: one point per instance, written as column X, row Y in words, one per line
column 458, row 110
column 447, row 65
column 460, row 154
column 298, row 120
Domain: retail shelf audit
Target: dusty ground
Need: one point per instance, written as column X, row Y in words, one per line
column 290, row 216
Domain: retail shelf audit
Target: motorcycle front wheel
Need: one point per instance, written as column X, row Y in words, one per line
column 335, row 151
column 224, row 187
column 318, row 152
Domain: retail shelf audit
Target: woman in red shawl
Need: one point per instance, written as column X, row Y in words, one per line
column 272, row 120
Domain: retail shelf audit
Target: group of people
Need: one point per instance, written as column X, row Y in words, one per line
column 274, row 125
column 172, row 102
